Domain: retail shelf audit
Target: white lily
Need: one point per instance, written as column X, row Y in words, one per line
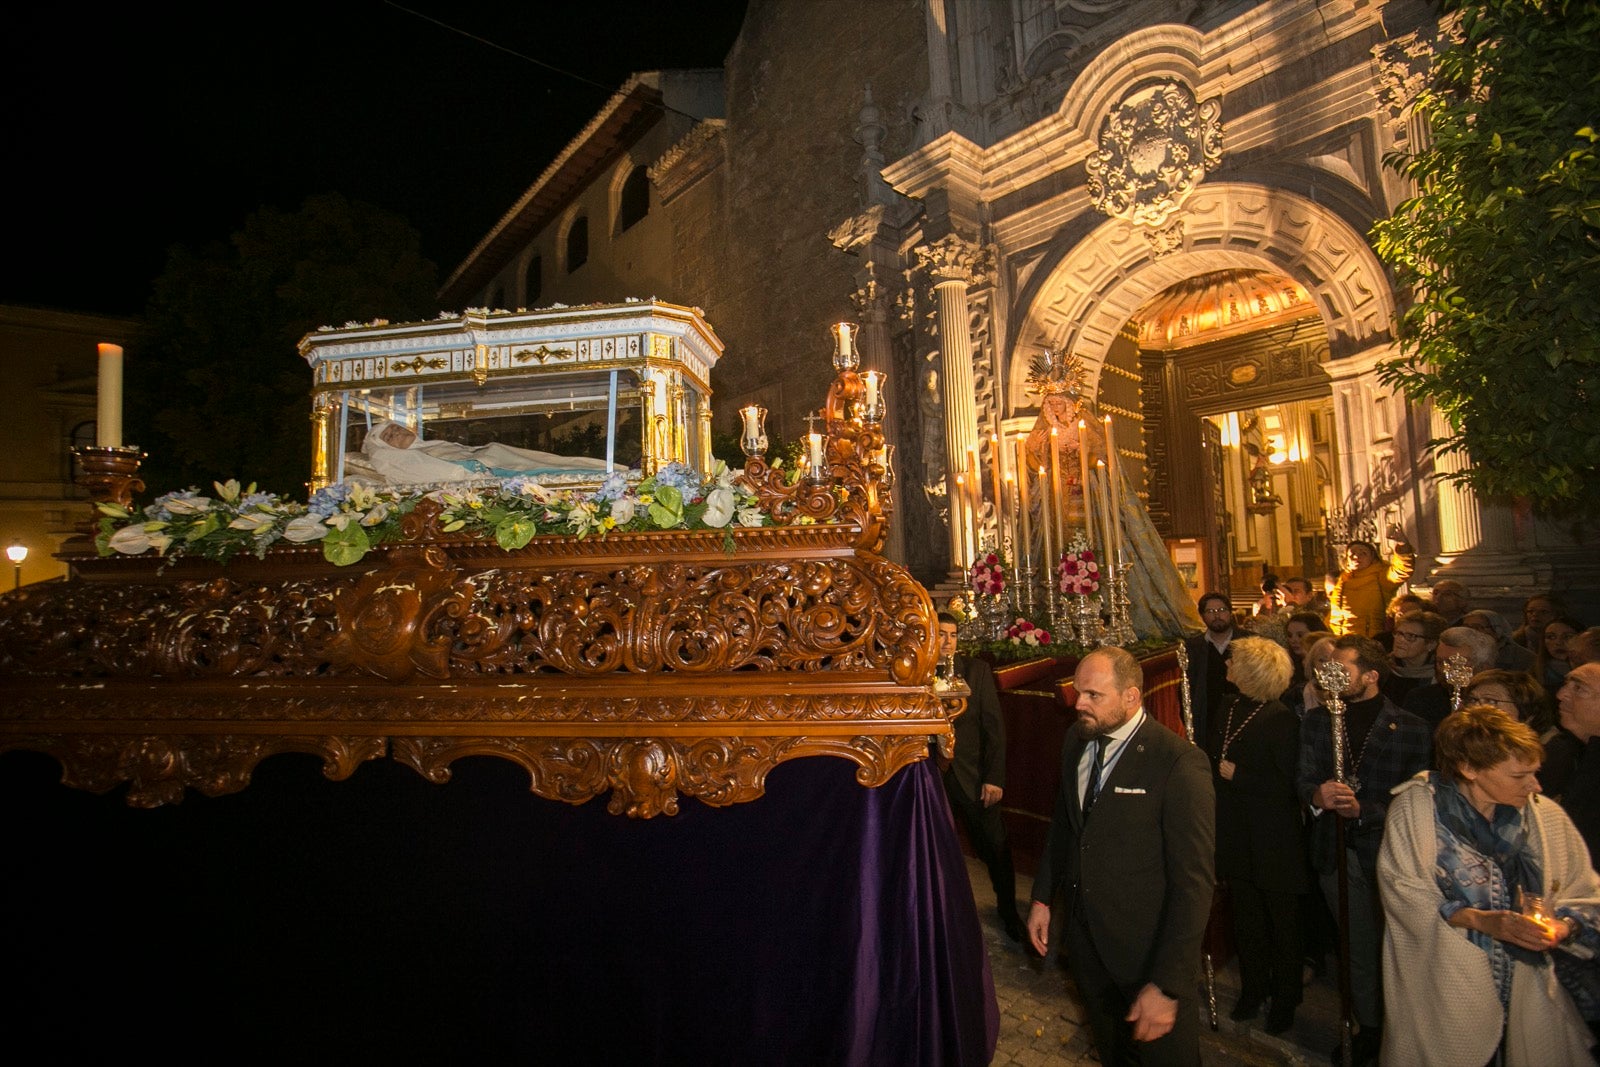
column 303, row 528
column 131, row 540
column 719, row 507
column 254, row 521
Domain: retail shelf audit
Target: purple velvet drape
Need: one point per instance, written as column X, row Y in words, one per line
column 389, row 919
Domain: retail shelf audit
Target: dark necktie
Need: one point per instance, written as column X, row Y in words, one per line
column 1093, row 791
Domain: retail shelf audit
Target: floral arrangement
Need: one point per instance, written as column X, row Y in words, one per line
column 350, row 519
column 1022, row 632
column 1078, row 572
column 988, row 575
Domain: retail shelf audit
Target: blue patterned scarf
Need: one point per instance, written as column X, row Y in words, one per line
column 1504, row 842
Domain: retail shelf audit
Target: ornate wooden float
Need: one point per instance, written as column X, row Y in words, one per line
column 648, row 664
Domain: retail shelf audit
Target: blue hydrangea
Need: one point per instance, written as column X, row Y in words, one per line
column 681, row 477
column 328, row 500
column 615, row 487
column 256, row 500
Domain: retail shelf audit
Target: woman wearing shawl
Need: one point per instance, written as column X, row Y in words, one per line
column 1469, row 979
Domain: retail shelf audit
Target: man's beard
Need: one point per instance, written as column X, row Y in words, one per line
column 1219, row 626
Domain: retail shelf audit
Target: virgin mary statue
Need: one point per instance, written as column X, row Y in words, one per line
column 1160, row 605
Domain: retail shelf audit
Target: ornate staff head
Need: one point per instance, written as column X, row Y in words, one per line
column 1457, row 673
column 1332, row 677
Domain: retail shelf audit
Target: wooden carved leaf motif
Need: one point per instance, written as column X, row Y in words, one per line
column 388, row 620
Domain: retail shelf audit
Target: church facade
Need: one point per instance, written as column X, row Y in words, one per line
column 1174, row 195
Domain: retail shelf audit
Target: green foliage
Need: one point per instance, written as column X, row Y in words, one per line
column 220, row 388
column 1501, row 247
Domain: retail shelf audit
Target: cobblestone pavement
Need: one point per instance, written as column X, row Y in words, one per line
column 1041, row 1022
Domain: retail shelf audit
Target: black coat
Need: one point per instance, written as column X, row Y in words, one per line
column 1141, row 867
column 1260, row 822
column 980, row 757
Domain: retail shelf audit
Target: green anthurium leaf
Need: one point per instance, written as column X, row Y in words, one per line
column 515, row 530
column 666, row 510
column 346, row 546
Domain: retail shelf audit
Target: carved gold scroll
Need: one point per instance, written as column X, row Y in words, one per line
column 649, row 665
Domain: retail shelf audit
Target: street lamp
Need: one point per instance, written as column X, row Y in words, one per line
column 17, row 552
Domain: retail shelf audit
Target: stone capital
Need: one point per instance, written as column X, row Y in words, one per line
column 953, row 258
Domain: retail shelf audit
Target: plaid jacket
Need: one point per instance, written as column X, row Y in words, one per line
column 1401, row 745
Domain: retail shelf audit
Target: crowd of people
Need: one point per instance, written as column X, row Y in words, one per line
column 1446, row 863
column 1428, row 833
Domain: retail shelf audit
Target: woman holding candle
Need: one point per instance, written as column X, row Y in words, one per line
column 1485, row 886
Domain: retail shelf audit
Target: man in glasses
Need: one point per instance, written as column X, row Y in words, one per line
column 1571, row 772
column 1208, row 660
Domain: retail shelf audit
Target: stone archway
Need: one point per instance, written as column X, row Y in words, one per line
column 1095, row 287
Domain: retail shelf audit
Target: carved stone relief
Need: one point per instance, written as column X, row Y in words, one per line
column 1155, row 148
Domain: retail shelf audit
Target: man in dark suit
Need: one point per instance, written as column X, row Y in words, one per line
column 1131, row 847
column 1209, row 687
column 1383, row 746
column 976, row 778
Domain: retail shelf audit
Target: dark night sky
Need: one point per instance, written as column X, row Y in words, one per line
column 132, row 128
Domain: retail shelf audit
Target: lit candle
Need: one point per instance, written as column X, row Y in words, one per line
column 996, row 471
column 974, row 482
column 1011, row 495
column 1049, row 529
column 846, row 347
column 1102, row 503
column 752, row 420
column 1085, row 486
column 815, row 454
column 958, row 521
column 1058, row 506
column 871, row 379
column 1024, row 519
column 1114, row 485
column 108, row 416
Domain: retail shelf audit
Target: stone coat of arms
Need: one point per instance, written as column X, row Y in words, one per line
column 1154, row 149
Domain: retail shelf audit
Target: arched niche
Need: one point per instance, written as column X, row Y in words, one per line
column 1080, row 302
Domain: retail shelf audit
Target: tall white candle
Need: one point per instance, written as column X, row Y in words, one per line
column 1024, row 519
column 1102, row 505
column 1050, row 549
column 846, row 346
column 996, row 467
column 815, row 453
column 1114, row 487
column 958, row 519
column 108, row 414
column 871, row 379
column 752, row 420
column 1088, row 491
column 1058, row 500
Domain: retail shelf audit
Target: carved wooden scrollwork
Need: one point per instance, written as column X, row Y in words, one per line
column 649, row 666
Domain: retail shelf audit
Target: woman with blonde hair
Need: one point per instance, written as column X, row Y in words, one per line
column 1484, row 883
column 1254, row 745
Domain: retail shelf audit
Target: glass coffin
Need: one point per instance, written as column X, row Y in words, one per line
column 562, row 394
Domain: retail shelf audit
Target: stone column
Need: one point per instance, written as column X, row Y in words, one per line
column 953, row 263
